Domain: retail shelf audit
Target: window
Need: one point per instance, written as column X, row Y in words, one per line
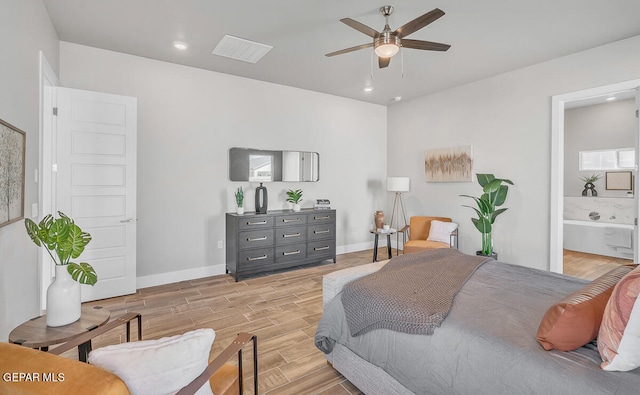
column 611, row 159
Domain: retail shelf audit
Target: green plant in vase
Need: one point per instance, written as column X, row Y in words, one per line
column 239, row 194
column 67, row 240
column 494, row 195
column 294, row 197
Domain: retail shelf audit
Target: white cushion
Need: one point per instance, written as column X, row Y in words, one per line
column 160, row 366
column 441, row 231
column 628, row 357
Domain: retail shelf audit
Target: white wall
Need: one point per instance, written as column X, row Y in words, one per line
column 25, row 29
column 507, row 119
column 602, row 126
column 188, row 119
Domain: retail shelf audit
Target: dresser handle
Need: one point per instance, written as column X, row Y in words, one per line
column 257, row 238
column 291, row 220
column 257, row 258
column 292, row 235
column 321, row 231
column 321, row 248
column 327, row 217
column 257, row 223
column 291, row 253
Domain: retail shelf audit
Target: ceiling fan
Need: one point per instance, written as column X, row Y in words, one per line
column 387, row 43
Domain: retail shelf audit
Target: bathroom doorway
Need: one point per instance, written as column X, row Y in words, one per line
column 612, row 214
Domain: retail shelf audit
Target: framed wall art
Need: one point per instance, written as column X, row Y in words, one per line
column 12, row 151
column 618, row 180
column 453, row 164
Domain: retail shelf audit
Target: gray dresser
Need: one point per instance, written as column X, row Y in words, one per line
column 279, row 239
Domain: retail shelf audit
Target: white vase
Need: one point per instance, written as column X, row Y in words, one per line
column 296, row 206
column 239, row 210
column 63, row 299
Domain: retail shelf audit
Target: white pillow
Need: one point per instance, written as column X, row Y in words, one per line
column 628, row 357
column 160, row 366
column 441, row 231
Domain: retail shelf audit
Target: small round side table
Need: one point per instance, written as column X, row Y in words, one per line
column 36, row 334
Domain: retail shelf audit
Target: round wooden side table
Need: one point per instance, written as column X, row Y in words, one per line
column 36, row 334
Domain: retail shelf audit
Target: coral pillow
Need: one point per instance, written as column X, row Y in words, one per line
column 575, row 320
column 441, row 231
column 160, row 366
column 619, row 337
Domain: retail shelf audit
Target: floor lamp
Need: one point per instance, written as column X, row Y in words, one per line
column 398, row 185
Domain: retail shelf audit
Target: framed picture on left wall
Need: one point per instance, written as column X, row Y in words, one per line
column 12, row 151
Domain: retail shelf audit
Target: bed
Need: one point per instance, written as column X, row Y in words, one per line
column 486, row 345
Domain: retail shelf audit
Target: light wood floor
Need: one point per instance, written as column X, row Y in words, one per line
column 281, row 309
column 590, row 266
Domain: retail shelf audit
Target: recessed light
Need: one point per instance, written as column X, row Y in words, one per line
column 368, row 88
column 180, row 45
column 397, row 98
column 611, row 98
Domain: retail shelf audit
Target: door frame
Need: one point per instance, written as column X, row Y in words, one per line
column 47, row 82
column 558, row 102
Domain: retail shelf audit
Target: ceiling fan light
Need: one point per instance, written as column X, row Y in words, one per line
column 387, row 45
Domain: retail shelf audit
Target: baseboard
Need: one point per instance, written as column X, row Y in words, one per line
column 200, row 272
column 354, row 247
column 181, row 275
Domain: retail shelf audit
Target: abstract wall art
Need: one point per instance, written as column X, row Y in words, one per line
column 454, row 164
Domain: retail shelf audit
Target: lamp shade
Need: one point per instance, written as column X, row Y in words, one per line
column 398, row 184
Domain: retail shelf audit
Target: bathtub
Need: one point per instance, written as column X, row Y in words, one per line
column 602, row 238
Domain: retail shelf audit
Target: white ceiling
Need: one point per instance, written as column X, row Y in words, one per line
column 488, row 37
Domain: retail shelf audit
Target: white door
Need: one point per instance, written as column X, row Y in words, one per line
column 96, row 183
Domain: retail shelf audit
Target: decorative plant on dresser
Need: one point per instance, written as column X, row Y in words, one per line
column 68, row 241
column 239, row 201
column 494, row 195
column 279, row 239
column 294, row 197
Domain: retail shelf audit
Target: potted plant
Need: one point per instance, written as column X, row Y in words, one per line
column 294, row 197
column 68, row 241
column 239, row 201
column 589, row 184
column 494, row 194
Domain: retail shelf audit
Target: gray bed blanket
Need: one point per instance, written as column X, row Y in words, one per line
column 487, row 344
column 411, row 294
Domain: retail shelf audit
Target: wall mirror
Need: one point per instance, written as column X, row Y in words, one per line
column 249, row 164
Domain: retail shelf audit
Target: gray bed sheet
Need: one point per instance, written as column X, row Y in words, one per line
column 487, row 344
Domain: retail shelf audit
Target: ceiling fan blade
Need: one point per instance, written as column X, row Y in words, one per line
column 419, row 22
column 428, row 45
column 383, row 62
column 346, row 50
column 360, row 27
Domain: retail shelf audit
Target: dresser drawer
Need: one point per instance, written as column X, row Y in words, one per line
column 251, row 259
column 291, row 252
column 255, row 239
column 321, row 248
column 322, row 217
column 255, row 222
column 321, row 231
column 291, row 219
column 291, row 235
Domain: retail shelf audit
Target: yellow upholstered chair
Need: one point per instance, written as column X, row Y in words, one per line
column 29, row 371
column 419, row 228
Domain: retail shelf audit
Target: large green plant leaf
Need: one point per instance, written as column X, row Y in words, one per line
column 482, row 224
column 497, row 212
column 33, row 231
column 83, row 273
column 484, row 179
column 77, row 240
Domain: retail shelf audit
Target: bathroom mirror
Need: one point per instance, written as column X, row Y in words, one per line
column 249, row 164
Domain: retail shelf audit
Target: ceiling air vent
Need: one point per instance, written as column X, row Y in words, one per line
column 241, row 49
